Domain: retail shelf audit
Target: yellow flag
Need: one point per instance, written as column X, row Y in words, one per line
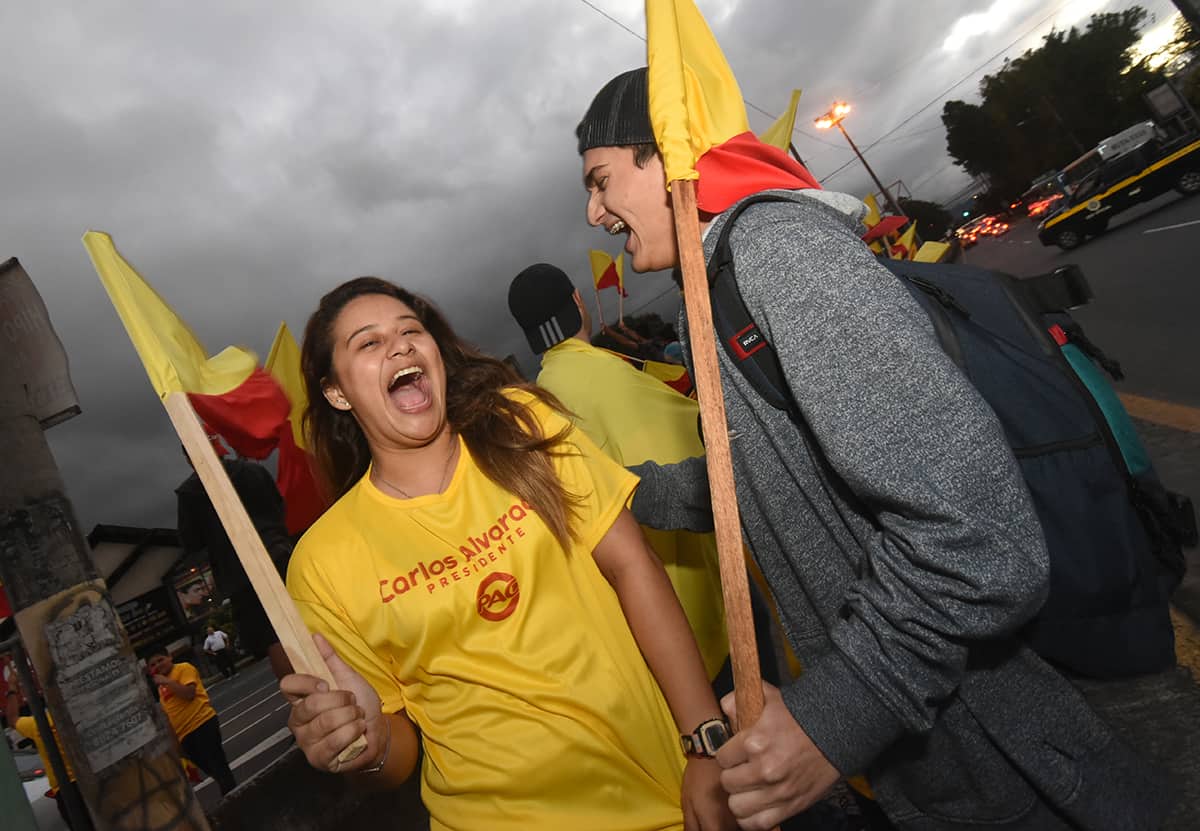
column 906, row 246
column 283, row 363
column 695, row 102
column 932, row 252
column 620, row 267
column 779, row 134
column 175, row 359
column 872, row 217
column 604, row 270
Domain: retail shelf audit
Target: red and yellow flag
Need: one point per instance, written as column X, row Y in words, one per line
column 698, row 115
column 231, row 393
column 302, row 498
column 905, row 248
column 174, row 358
column 674, row 376
column 608, row 273
column 283, row 364
column 695, row 102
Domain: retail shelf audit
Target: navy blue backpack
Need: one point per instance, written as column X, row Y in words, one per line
column 1113, row 532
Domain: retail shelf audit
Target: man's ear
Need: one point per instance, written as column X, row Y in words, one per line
column 335, row 398
column 578, row 302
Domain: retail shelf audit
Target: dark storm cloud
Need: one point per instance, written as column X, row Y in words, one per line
column 246, row 159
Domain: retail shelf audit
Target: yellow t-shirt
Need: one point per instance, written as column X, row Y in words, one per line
column 27, row 727
column 634, row 417
column 185, row 716
column 512, row 656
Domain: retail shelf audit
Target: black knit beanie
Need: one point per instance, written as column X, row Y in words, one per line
column 619, row 114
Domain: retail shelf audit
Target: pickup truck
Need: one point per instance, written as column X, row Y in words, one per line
column 1143, row 173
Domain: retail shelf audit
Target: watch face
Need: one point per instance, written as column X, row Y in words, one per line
column 714, row 735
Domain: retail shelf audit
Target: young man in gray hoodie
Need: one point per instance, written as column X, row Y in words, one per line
column 895, row 530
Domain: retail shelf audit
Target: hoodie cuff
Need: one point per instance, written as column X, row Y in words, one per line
column 673, row 497
column 844, row 718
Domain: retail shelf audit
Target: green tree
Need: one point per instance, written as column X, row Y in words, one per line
column 933, row 221
column 1051, row 104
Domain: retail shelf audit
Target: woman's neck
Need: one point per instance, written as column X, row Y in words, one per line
column 410, row 472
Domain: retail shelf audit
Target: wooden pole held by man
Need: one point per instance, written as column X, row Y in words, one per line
column 727, row 524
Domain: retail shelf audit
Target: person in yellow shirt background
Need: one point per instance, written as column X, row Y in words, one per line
column 27, row 726
column 481, row 591
column 192, row 717
column 633, row 417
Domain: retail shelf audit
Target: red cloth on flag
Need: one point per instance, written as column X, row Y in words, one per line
column 743, row 166
column 888, row 225
column 303, row 501
column 610, row 280
column 248, row 416
column 253, row 419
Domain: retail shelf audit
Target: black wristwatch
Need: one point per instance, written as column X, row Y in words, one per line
column 706, row 739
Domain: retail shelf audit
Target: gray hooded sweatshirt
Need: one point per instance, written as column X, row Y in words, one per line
column 901, row 546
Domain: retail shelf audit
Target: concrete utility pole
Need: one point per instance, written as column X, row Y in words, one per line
column 115, row 735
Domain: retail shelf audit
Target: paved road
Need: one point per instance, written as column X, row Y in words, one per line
column 1145, row 272
column 253, row 726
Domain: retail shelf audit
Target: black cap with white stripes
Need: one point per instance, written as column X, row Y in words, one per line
column 541, row 299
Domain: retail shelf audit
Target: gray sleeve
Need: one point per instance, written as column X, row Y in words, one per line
column 673, row 497
column 957, row 554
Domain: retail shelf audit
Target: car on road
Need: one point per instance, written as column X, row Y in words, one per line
column 1143, row 173
column 982, row 226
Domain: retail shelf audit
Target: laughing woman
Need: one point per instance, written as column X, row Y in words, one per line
column 479, row 587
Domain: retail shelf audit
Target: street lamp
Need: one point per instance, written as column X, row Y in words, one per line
column 833, row 118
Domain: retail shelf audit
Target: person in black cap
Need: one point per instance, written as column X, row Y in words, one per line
column 632, row 417
column 891, row 520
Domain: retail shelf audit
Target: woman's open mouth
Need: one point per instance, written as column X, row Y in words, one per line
column 409, row 389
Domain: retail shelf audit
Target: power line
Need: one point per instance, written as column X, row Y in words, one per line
column 935, row 174
column 608, row 16
column 954, row 86
column 914, row 133
column 747, row 101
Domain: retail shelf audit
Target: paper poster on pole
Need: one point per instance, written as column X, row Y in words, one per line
column 113, row 717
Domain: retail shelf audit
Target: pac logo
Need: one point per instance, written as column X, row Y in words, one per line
column 497, row 596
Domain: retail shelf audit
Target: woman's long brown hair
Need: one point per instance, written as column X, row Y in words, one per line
column 503, row 434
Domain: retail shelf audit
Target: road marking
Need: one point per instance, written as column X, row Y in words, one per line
column 270, row 741
column 251, row 727
column 272, row 684
column 273, row 694
column 1171, row 227
column 1166, row 413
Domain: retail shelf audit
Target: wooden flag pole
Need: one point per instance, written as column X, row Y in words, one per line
column 743, row 650
column 599, row 308
column 281, row 611
column 620, row 305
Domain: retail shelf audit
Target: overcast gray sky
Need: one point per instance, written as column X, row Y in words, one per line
column 247, row 157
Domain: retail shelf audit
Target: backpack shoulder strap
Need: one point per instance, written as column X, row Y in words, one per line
column 739, row 335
